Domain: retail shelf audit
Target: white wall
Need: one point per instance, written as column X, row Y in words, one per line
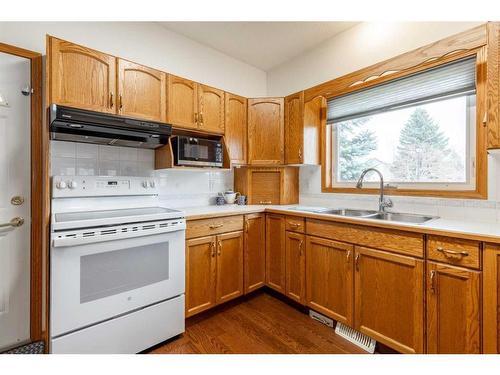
column 358, row 47
column 147, row 43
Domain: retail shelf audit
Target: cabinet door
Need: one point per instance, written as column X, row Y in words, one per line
column 275, row 252
column 453, row 310
column 295, row 266
column 294, row 128
column 141, row 91
column 255, row 252
column 229, row 266
column 265, row 187
column 389, row 299
column 211, row 109
column 266, row 131
column 81, row 77
column 200, row 274
column 329, row 278
column 236, row 128
column 182, row 102
column 491, row 299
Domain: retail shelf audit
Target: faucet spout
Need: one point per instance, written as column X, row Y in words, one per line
column 382, row 202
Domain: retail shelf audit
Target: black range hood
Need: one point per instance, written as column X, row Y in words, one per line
column 78, row 125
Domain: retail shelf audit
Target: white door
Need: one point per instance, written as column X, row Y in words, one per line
column 15, row 172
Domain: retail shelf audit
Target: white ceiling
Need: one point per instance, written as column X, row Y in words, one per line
column 261, row 44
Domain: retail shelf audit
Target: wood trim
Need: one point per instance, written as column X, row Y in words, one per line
column 39, row 193
column 490, row 302
column 418, row 59
column 481, row 190
column 493, row 89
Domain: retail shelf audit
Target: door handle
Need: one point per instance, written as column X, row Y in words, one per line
column 15, row 222
column 452, row 252
column 356, row 261
column 220, row 248
column 120, row 98
column 246, row 226
column 433, row 278
column 212, row 245
column 348, row 256
column 111, row 104
column 301, row 247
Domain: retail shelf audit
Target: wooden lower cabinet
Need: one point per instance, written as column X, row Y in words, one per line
column 453, row 309
column 275, row 252
column 295, row 267
column 389, row 299
column 201, row 268
column 329, row 279
column 255, row 252
column 491, row 299
column 229, row 266
column 214, row 271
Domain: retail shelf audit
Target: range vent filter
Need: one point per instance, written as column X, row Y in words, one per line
column 357, row 338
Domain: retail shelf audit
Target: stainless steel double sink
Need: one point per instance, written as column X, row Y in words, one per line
column 368, row 214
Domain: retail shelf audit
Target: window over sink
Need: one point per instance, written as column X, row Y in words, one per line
column 420, row 130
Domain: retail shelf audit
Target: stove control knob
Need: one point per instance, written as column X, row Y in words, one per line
column 61, row 185
column 145, row 184
column 72, row 184
column 152, row 184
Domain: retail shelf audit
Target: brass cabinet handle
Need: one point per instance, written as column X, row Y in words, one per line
column 196, row 117
column 295, row 225
column 111, row 104
column 212, row 245
column 356, row 261
column 246, row 226
column 348, row 256
column 15, row 222
column 433, row 277
column 300, row 154
column 120, row 98
column 201, row 118
column 265, row 202
column 301, row 248
column 215, row 226
column 220, row 248
column 452, row 252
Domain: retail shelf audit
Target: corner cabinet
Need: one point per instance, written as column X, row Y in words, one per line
column 266, row 133
column 141, row 91
column 80, row 77
column 389, row 298
column 236, row 128
column 275, row 252
column 303, row 124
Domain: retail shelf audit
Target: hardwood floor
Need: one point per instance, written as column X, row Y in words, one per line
column 257, row 324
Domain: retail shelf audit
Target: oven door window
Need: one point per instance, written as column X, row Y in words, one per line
column 113, row 272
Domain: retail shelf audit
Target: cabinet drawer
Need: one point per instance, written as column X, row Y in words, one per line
column 208, row 227
column 379, row 238
column 454, row 251
column 295, row 224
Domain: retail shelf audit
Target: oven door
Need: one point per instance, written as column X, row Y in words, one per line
column 94, row 282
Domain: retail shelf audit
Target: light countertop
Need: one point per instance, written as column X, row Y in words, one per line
column 482, row 231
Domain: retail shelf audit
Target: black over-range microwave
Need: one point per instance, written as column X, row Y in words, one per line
column 199, row 152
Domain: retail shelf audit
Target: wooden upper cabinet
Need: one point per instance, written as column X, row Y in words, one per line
column 141, row 91
column 201, row 263
column 211, row 109
column 80, row 77
column 182, row 102
column 330, row 278
column 266, row 131
column 491, row 299
column 389, row 299
column 229, row 266
column 236, row 127
column 493, row 85
column 275, row 252
column 453, row 310
column 294, row 128
column 295, row 266
column 255, row 252
column 303, row 122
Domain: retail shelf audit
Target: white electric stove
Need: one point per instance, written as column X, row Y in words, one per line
column 117, row 266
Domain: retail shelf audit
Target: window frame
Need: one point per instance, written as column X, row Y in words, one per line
column 480, row 188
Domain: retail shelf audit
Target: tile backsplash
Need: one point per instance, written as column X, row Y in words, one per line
column 178, row 188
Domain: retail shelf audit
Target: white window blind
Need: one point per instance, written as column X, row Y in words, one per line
column 456, row 78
